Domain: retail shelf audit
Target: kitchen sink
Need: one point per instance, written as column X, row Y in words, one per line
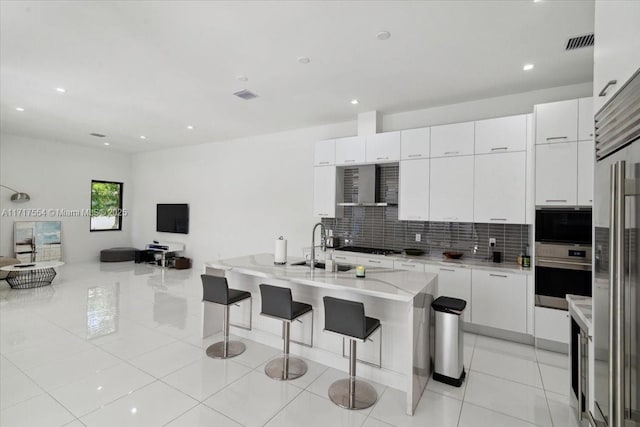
column 341, row 267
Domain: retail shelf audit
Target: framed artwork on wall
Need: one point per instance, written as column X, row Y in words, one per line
column 36, row 241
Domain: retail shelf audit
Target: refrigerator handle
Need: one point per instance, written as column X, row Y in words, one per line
column 616, row 302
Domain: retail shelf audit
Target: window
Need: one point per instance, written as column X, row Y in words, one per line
column 106, row 206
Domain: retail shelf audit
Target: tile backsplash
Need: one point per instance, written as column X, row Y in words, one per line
column 379, row 227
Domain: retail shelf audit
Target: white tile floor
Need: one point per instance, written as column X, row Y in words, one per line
column 118, row 345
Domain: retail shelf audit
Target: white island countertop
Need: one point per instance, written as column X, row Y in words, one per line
column 396, row 285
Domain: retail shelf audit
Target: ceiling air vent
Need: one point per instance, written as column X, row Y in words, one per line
column 245, row 94
column 579, row 42
column 98, row 135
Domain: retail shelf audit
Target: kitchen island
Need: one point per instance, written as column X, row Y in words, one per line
column 400, row 299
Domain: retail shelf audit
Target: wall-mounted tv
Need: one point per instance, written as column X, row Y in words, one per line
column 172, row 218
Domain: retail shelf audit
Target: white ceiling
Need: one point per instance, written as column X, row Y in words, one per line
column 153, row 67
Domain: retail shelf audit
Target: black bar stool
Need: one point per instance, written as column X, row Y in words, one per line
column 278, row 304
column 346, row 318
column 216, row 290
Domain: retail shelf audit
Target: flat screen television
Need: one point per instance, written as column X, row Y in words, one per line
column 172, row 218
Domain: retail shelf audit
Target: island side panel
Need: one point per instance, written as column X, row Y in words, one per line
column 421, row 351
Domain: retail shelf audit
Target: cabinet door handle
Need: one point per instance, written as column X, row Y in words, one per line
column 556, row 137
column 374, row 261
column 323, row 163
column 451, row 152
column 350, row 160
column 339, row 257
column 499, row 148
column 414, row 155
column 382, row 158
column 603, row 92
column 407, row 265
column 497, row 219
column 323, row 214
column 498, row 275
column 556, row 200
column 447, row 269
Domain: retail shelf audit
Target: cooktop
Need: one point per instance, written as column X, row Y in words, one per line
column 365, row 250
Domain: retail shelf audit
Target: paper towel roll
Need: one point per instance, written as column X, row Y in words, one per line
column 280, row 253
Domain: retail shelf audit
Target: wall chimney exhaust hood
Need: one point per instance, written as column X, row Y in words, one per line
column 367, row 184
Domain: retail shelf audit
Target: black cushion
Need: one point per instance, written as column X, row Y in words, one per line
column 347, row 318
column 216, row 289
column 277, row 302
column 118, row 254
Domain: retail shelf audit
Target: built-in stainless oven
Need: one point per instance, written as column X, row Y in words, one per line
column 561, row 269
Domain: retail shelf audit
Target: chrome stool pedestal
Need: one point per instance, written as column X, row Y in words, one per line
column 226, row 349
column 351, row 393
column 286, row 367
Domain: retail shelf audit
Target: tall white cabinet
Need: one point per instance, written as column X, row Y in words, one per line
column 451, row 190
column 327, row 190
column 413, row 198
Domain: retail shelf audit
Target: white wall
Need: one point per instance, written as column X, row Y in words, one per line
column 246, row 192
column 58, row 176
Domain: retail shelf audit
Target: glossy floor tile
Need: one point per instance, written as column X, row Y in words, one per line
column 119, row 345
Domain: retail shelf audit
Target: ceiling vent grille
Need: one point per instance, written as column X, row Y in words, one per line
column 245, row 94
column 579, row 42
column 98, row 135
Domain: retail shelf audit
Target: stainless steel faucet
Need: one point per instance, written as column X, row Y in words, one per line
column 323, row 241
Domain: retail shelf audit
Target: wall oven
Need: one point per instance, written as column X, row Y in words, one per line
column 563, row 256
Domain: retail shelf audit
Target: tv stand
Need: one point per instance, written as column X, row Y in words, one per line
column 165, row 248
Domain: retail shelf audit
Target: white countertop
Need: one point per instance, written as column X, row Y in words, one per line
column 581, row 309
column 509, row 267
column 397, row 285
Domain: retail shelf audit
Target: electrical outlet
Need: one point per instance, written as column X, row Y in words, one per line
column 418, row 237
column 492, row 242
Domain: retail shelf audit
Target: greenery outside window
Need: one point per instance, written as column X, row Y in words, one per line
column 106, row 206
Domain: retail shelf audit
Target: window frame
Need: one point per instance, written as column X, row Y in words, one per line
column 120, row 209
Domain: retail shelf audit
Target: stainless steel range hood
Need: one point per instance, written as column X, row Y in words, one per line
column 367, row 190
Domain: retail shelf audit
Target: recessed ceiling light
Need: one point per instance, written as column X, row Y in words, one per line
column 190, row 127
column 537, row 1
column 19, row 109
column 355, row 102
column 242, row 78
column 134, row 410
column 303, row 59
column 527, row 67
column 61, row 89
column 107, row 144
column 383, row 35
column 143, row 137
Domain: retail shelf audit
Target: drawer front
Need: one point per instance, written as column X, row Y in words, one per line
column 345, row 259
column 407, row 265
column 375, row 262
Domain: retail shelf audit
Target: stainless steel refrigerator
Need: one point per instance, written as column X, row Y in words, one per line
column 616, row 287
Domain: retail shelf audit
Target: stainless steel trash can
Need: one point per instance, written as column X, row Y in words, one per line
column 449, row 345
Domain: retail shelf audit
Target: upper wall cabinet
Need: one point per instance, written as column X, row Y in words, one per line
column 350, row 150
column 325, row 153
column 500, row 188
column 327, row 190
column 501, row 135
column 452, row 140
column 451, row 192
column 415, row 143
column 585, row 119
column 413, row 203
column 557, row 174
column 557, row 122
column 615, row 54
column 383, row 147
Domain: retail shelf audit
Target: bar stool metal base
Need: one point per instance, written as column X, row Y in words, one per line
column 234, row 348
column 364, row 395
column 277, row 369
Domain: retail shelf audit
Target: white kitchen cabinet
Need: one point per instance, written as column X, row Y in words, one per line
column 501, row 134
column 617, row 43
column 351, row 150
column 454, row 282
column 500, row 188
column 408, row 265
column 499, row 300
column 557, row 174
column 327, row 190
column 383, row 147
column 415, row 143
column 325, row 153
column 557, row 122
column 585, row 119
column 552, row 325
column 379, row 262
column 413, row 200
column 586, row 160
column 451, row 189
column 452, row 140
column 342, row 258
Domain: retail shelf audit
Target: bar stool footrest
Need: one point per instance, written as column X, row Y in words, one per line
column 365, row 394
